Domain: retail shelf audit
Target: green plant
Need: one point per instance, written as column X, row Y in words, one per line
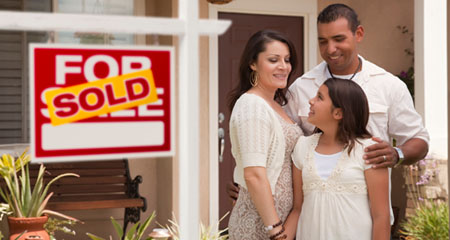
column 54, row 225
column 22, row 199
column 430, row 221
column 408, row 76
column 206, row 233
column 135, row 233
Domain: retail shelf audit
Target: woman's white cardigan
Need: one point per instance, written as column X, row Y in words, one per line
column 257, row 138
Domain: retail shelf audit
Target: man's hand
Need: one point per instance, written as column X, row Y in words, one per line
column 233, row 191
column 380, row 154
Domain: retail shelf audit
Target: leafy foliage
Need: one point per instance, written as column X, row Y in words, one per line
column 22, row 199
column 54, row 225
column 135, row 233
column 206, row 233
column 408, row 78
column 430, row 221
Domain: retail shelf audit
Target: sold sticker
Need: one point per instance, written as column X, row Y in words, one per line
column 100, row 97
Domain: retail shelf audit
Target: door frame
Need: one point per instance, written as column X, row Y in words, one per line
column 303, row 8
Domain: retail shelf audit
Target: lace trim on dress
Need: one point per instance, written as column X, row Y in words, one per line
column 332, row 183
column 327, row 186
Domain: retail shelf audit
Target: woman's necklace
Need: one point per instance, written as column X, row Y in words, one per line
column 356, row 71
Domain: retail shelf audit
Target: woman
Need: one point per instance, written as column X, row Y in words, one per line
column 262, row 139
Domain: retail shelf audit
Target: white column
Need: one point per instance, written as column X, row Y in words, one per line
column 188, row 142
column 430, row 56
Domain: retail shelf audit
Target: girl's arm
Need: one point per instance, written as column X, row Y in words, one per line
column 261, row 194
column 377, row 180
column 294, row 215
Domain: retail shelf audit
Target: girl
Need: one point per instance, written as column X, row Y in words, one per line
column 262, row 139
column 337, row 194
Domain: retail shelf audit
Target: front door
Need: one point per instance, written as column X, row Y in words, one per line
column 231, row 45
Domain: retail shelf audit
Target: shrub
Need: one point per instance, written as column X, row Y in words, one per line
column 430, row 221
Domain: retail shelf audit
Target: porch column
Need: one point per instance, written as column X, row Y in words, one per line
column 430, row 63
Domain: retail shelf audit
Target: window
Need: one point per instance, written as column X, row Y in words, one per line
column 112, row 7
column 14, row 113
column 14, row 90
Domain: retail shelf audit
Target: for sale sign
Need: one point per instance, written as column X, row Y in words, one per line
column 100, row 102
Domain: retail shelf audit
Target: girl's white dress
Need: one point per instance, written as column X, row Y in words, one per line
column 337, row 207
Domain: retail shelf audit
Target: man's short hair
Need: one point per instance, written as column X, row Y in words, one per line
column 335, row 11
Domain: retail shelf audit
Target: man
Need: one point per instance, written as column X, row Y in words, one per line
column 392, row 113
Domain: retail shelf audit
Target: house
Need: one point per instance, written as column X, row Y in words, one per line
column 384, row 44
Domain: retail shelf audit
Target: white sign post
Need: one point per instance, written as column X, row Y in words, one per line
column 188, row 27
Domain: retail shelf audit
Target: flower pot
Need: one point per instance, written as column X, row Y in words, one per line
column 33, row 226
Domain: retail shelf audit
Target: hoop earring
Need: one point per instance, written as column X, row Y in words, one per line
column 254, row 78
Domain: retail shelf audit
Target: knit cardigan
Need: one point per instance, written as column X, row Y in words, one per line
column 257, row 138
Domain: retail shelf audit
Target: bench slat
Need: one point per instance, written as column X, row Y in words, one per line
column 87, row 197
column 81, row 180
column 86, row 180
column 83, row 172
column 86, row 205
column 87, row 189
column 81, row 165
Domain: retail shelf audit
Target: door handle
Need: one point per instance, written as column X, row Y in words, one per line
column 221, row 118
column 222, row 143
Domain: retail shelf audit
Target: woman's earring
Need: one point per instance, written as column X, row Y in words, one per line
column 254, row 78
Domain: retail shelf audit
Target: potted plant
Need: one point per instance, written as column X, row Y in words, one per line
column 26, row 204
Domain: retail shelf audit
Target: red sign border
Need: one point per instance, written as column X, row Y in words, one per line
column 68, row 158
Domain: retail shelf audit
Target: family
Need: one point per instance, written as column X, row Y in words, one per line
column 313, row 160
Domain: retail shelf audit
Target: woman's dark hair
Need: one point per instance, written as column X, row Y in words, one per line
column 351, row 99
column 255, row 45
column 335, row 11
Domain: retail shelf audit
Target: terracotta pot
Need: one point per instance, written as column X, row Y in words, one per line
column 34, row 227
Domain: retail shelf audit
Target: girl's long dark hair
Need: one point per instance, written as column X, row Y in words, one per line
column 351, row 99
column 255, row 45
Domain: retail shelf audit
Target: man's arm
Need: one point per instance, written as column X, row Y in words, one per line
column 233, row 191
column 382, row 154
column 406, row 126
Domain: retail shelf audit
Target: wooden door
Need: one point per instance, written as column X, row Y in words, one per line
column 231, row 45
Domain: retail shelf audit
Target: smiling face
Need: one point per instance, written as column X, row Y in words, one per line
column 273, row 66
column 322, row 113
column 337, row 45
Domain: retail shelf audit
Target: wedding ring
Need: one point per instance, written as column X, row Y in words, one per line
column 384, row 158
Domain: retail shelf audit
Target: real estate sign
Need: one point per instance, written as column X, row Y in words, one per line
column 100, row 102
